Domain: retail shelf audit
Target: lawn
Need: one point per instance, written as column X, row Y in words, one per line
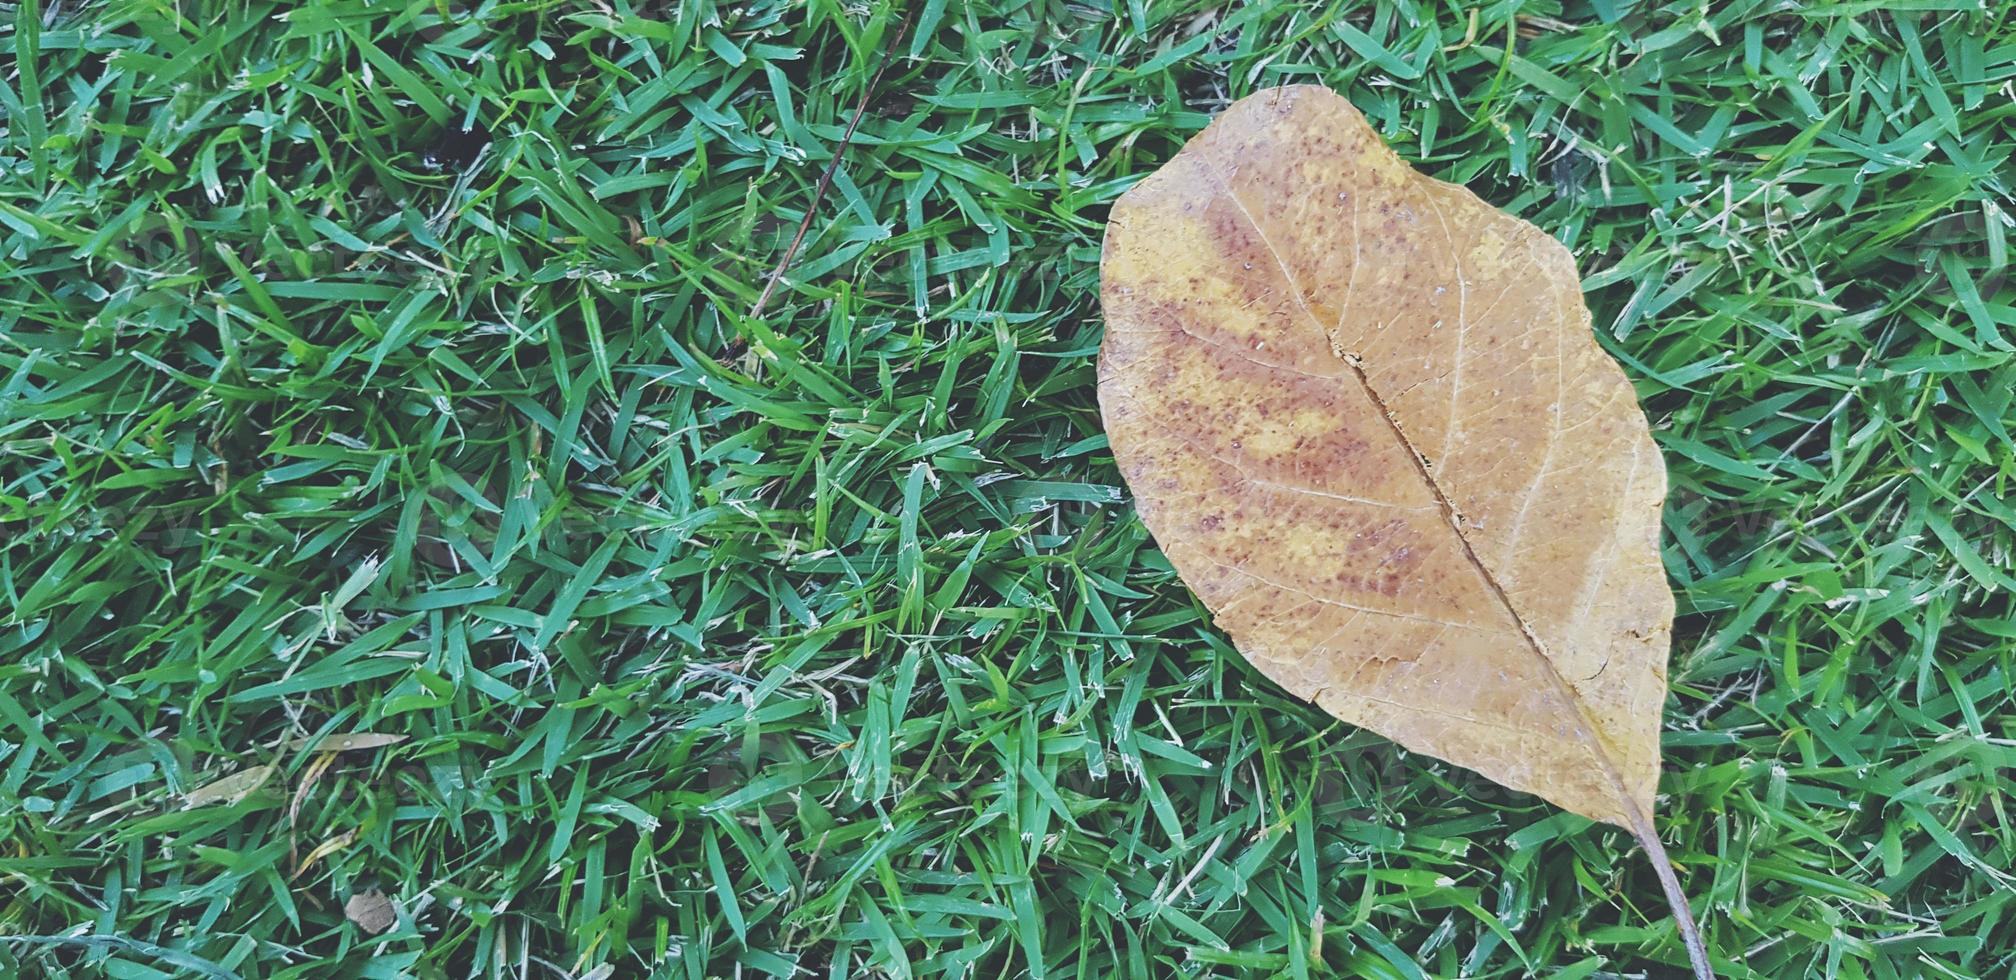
column 671, row 641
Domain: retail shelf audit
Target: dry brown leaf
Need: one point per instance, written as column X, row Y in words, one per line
column 1363, row 413
column 230, row 789
column 372, row 911
column 324, row 849
column 347, row 743
column 309, row 777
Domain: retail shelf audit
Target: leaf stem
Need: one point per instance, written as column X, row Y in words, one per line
column 1683, row 916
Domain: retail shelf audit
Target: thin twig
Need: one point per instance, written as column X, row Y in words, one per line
column 819, row 192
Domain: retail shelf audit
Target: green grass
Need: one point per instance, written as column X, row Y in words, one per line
column 829, row 645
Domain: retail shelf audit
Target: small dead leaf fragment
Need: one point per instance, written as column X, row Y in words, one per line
column 354, row 741
column 1364, row 415
column 322, row 850
column 372, row 911
column 230, row 789
column 309, row 777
